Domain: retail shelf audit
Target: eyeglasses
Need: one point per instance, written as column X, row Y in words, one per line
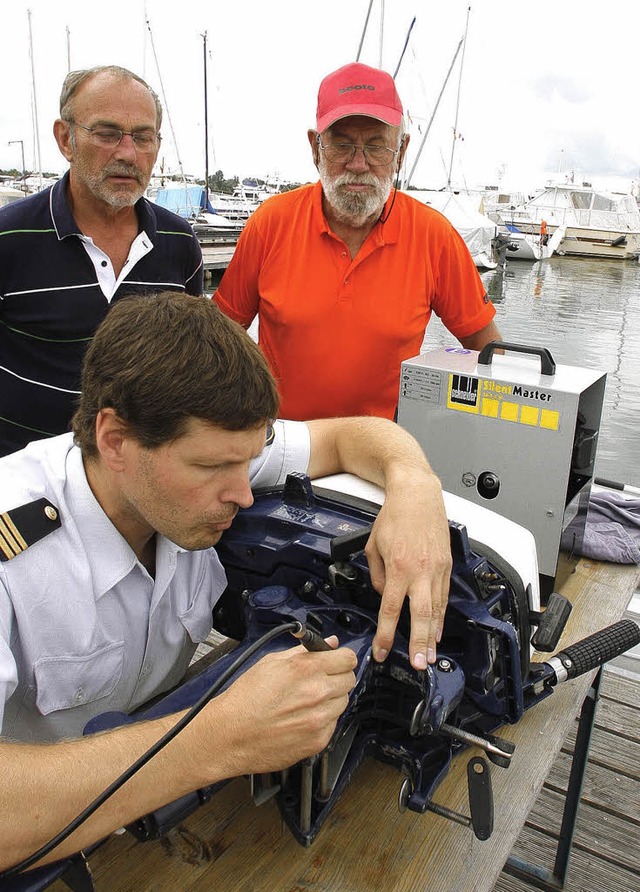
column 110, row 137
column 344, row 152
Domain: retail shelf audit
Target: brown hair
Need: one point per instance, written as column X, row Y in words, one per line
column 161, row 359
column 74, row 80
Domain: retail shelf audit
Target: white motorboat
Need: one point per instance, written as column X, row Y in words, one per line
column 523, row 246
column 598, row 223
column 237, row 206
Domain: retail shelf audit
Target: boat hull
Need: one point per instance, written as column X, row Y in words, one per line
column 523, row 247
column 598, row 223
column 581, row 242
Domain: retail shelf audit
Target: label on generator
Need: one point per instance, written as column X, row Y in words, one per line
column 422, row 384
column 464, row 393
column 494, row 399
column 484, row 397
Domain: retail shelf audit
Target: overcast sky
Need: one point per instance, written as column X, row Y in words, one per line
column 546, row 88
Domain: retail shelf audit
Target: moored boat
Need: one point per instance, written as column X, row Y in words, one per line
column 524, row 246
column 598, row 223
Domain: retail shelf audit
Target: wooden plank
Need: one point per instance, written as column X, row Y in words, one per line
column 610, row 750
column 607, row 836
column 618, row 718
column 217, row 256
column 621, row 689
column 614, row 793
column 599, row 835
column 508, row 883
column 586, row 873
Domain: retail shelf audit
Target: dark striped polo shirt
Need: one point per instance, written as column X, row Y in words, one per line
column 51, row 303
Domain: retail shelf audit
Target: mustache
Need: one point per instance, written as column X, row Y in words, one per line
column 122, row 169
column 361, row 179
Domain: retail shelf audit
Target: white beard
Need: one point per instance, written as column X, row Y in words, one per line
column 354, row 208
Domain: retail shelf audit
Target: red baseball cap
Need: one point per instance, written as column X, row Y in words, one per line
column 357, row 89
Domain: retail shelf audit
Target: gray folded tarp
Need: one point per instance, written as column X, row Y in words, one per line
column 612, row 530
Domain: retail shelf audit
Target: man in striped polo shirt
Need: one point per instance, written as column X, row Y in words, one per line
column 69, row 252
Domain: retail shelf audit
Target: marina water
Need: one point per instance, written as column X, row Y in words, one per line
column 587, row 314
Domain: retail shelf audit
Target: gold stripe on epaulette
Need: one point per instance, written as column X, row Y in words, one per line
column 5, row 549
column 15, row 531
column 8, row 539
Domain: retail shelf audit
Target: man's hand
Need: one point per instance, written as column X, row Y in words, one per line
column 285, row 708
column 409, row 555
column 409, row 550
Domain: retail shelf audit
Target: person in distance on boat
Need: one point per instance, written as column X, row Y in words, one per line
column 109, row 575
column 343, row 275
column 70, row 252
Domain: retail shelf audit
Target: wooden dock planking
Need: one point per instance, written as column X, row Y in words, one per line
column 606, row 849
column 216, row 257
column 599, row 833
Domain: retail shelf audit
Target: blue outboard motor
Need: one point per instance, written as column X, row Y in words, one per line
column 295, row 562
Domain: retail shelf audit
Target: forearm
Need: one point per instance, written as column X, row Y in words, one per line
column 279, row 711
column 45, row 786
column 373, row 448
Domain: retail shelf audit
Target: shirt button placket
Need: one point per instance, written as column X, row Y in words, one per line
column 345, row 292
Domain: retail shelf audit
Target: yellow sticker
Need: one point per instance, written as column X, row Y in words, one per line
column 549, row 419
column 509, row 411
column 490, row 408
column 529, row 415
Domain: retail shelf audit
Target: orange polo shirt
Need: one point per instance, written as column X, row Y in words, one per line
column 335, row 330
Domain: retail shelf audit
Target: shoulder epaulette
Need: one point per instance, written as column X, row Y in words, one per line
column 21, row 527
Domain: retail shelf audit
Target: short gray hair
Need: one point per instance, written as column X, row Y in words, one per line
column 74, row 80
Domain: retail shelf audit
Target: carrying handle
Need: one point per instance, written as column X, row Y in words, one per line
column 547, row 362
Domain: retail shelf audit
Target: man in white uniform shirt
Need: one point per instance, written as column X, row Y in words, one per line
column 108, row 577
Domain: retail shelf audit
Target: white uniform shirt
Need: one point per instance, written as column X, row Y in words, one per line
column 84, row 628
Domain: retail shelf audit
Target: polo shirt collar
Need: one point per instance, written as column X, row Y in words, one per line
column 110, row 555
column 385, row 233
column 65, row 224
column 60, row 211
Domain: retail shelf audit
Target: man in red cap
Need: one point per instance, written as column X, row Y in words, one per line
column 344, row 274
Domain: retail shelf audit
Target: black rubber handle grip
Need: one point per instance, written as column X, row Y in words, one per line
column 597, row 649
column 547, row 362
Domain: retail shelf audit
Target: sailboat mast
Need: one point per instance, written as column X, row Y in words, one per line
column 364, row 30
column 455, row 125
column 164, row 99
column 433, row 114
column 206, row 126
column 35, row 101
column 404, row 48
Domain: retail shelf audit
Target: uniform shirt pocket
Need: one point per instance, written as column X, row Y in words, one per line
column 198, row 619
column 63, row 682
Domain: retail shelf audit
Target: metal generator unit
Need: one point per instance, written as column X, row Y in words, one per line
column 515, row 434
